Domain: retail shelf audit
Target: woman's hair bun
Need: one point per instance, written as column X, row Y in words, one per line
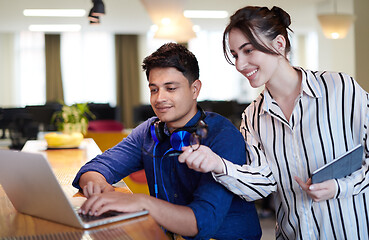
column 282, row 15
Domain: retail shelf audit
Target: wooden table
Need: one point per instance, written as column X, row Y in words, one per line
column 65, row 164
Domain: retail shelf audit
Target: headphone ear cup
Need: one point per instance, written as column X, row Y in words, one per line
column 157, row 131
column 180, row 139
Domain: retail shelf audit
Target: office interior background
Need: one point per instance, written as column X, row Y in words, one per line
column 88, row 53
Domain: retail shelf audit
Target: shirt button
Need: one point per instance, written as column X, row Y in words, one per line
column 175, row 195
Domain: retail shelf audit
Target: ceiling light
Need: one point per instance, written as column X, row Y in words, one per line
column 98, row 8
column 180, row 32
column 55, row 28
column 196, row 28
column 93, row 19
column 205, row 14
column 165, row 21
column 178, row 29
column 54, row 12
column 334, row 25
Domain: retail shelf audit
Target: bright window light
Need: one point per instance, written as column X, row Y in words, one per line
column 54, row 12
column 55, row 28
column 88, row 62
column 205, row 14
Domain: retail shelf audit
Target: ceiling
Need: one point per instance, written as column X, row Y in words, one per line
column 131, row 17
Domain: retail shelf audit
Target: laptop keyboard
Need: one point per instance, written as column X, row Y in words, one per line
column 89, row 218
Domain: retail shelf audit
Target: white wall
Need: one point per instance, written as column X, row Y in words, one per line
column 337, row 54
column 361, row 42
column 7, row 71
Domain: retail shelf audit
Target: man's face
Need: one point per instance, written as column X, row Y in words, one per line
column 172, row 98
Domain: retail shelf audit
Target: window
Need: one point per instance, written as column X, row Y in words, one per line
column 220, row 80
column 30, row 78
column 88, row 67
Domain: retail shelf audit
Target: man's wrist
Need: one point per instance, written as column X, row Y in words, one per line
column 91, row 176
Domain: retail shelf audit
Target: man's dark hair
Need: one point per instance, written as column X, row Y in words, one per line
column 173, row 55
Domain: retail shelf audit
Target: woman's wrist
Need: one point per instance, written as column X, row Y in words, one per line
column 220, row 168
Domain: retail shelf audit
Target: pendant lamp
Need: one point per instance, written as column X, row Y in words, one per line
column 168, row 16
column 335, row 25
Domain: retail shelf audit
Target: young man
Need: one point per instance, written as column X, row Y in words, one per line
column 183, row 201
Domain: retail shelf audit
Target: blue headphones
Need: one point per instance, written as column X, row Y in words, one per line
column 180, row 137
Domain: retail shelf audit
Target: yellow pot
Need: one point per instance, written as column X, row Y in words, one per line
column 63, row 140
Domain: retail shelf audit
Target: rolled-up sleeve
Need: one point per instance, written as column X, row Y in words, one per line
column 119, row 161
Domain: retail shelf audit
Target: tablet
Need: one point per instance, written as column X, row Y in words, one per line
column 340, row 167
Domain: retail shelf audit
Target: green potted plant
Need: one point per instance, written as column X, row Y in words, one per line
column 73, row 118
column 72, row 121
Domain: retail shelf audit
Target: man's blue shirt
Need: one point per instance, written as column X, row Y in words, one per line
column 219, row 213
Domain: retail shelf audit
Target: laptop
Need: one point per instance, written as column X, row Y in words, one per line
column 33, row 189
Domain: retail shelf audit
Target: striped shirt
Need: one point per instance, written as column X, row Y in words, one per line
column 330, row 117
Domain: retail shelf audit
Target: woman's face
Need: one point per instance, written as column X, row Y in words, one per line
column 258, row 67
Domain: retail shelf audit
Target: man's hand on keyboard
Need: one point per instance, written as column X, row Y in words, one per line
column 93, row 187
column 112, row 201
column 94, row 183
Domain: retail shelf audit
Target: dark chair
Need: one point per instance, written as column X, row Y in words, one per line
column 42, row 114
column 7, row 117
column 22, row 129
column 104, row 111
column 141, row 113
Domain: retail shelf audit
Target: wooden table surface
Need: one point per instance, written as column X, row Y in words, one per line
column 65, row 164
